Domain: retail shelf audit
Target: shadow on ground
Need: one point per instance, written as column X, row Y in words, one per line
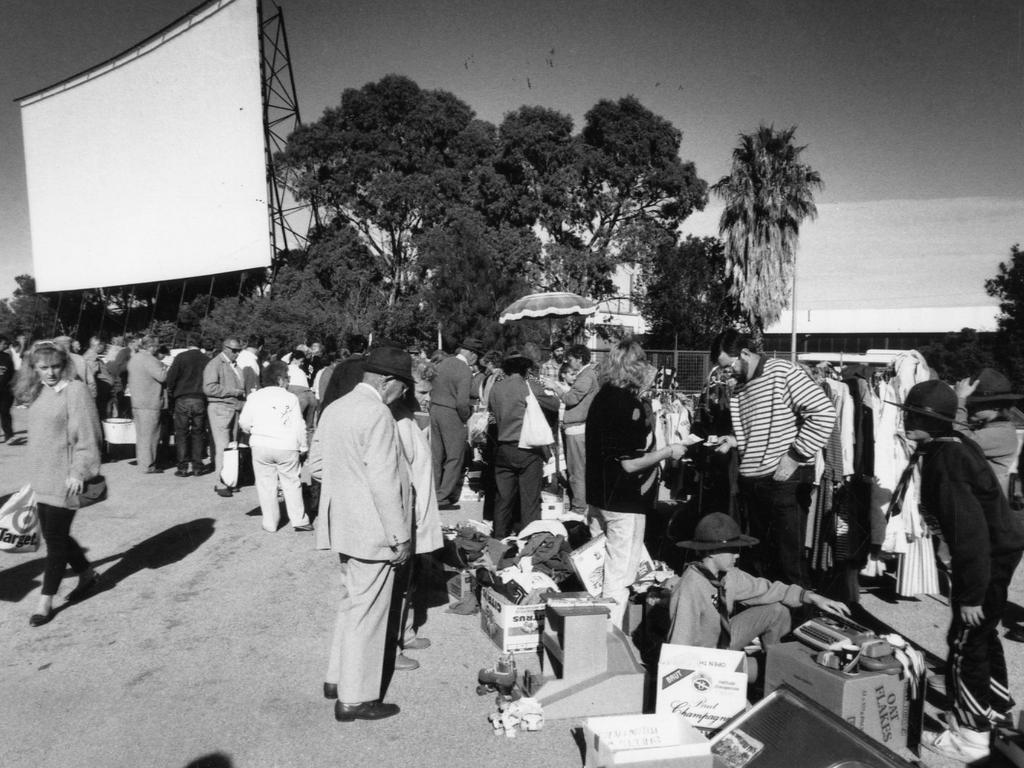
column 167, row 547
column 213, row 760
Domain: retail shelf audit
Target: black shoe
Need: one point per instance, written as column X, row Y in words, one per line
column 38, row 619
column 368, row 710
column 225, row 492
column 330, row 690
column 1015, row 634
column 303, row 528
column 82, row 591
column 448, row 505
column 183, row 472
column 202, row 469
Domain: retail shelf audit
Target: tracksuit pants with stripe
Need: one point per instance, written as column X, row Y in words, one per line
column 976, row 679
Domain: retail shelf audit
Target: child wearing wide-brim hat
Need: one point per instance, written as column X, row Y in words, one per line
column 984, row 404
column 716, row 605
column 962, row 501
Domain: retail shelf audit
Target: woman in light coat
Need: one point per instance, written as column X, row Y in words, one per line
column 64, row 453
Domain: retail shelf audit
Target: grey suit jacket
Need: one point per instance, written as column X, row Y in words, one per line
column 146, row 377
column 355, row 455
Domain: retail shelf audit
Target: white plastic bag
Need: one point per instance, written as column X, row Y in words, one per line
column 229, row 474
column 19, row 523
column 535, row 432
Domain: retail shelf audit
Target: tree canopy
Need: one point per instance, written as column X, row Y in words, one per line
column 686, row 299
column 1008, row 287
column 429, row 217
column 767, row 195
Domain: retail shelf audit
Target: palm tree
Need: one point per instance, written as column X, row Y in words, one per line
column 767, row 194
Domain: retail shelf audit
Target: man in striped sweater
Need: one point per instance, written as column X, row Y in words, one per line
column 781, row 419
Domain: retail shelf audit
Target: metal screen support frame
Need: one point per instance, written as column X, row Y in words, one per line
column 280, row 118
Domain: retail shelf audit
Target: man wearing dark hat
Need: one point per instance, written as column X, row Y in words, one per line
column 355, row 455
column 449, row 411
column 704, row 600
column 962, row 501
column 984, row 405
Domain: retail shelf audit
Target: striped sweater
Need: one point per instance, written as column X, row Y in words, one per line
column 779, row 410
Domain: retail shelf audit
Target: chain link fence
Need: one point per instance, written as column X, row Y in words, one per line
column 683, row 369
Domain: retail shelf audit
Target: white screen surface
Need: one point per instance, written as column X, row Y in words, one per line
column 152, row 166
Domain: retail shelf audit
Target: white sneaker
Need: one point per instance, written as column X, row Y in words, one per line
column 963, row 744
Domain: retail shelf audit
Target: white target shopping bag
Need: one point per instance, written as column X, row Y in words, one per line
column 19, row 523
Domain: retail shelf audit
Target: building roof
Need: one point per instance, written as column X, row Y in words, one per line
column 893, row 320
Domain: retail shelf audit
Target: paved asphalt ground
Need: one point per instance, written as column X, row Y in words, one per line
column 207, row 647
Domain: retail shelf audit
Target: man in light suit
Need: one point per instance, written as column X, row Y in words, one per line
column 355, row 455
column 146, row 376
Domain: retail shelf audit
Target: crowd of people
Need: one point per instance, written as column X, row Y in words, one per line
column 382, row 439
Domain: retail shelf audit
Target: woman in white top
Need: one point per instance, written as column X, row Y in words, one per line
column 273, row 419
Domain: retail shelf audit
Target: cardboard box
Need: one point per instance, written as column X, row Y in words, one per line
column 872, row 702
column 704, row 686
column 513, row 628
column 644, row 741
column 459, row 585
column 588, row 562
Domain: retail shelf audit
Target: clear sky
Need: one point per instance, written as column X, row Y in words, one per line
column 913, row 112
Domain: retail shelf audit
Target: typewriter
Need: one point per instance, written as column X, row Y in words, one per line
column 829, row 632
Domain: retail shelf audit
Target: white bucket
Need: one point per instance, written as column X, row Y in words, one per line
column 119, row 431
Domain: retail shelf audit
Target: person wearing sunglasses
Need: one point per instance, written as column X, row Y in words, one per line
column 225, row 390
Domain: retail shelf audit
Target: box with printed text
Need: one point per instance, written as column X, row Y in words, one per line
column 704, row 686
column 873, row 702
column 513, row 628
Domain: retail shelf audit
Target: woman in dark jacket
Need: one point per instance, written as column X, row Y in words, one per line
column 518, row 472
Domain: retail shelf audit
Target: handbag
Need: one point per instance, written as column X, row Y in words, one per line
column 94, row 489
column 535, row 432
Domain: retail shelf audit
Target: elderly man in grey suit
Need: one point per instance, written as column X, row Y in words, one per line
column 146, row 376
column 355, row 455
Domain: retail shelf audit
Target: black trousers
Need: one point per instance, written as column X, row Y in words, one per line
column 189, row 430
column 61, row 549
column 777, row 516
column 976, row 679
column 6, row 401
column 518, row 474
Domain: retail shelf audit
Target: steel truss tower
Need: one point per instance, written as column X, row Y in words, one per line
column 280, row 118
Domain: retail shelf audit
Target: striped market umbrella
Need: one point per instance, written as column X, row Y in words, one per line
column 548, row 305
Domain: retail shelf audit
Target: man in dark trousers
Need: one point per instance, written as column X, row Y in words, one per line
column 188, row 404
column 449, row 411
column 963, row 502
column 781, row 420
column 6, row 396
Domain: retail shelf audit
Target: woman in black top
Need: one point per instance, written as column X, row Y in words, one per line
column 622, row 466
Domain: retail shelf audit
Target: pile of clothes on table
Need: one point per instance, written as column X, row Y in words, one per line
column 525, row 568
